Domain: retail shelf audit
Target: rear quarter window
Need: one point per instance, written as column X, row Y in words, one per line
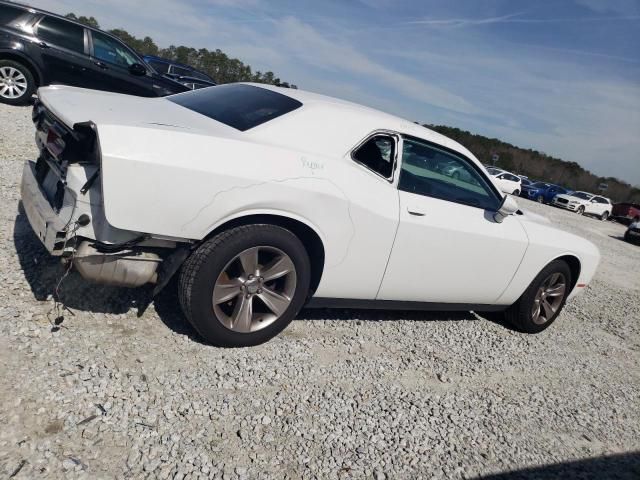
column 239, row 106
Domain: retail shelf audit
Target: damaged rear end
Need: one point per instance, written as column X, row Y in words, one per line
column 62, row 198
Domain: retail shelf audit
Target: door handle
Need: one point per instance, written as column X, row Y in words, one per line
column 416, row 212
column 101, row 65
column 43, row 45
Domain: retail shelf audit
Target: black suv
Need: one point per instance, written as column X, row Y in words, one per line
column 39, row 48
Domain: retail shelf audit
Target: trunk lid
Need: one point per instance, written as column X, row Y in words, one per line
column 72, row 106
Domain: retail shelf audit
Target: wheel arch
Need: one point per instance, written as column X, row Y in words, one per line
column 16, row 56
column 307, row 234
column 574, row 266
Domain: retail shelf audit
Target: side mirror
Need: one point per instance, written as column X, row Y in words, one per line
column 508, row 207
column 137, row 69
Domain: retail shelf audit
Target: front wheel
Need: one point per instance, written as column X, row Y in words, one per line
column 244, row 286
column 540, row 199
column 16, row 83
column 543, row 300
column 580, row 210
column 516, row 192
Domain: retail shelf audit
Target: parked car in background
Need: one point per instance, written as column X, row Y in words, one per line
column 542, row 192
column 267, row 199
column 632, row 235
column 524, row 181
column 626, row 212
column 507, row 182
column 185, row 74
column 585, row 203
column 38, row 48
column 455, row 171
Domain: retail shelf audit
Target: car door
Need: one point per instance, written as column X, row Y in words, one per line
column 63, row 50
column 448, row 247
column 504, row 183
column 596, row 206
column 552, row 192
column 110, row 67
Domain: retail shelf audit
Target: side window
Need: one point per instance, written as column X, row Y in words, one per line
column 111, row 50
column 8, row 14
column 159, row 67
column 183, row 72
column 432, row 172
column 61, row 34
column 378, row 154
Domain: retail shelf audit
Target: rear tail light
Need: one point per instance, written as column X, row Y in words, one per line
column 55, row 143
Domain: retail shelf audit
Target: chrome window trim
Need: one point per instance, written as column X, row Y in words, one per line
column 397, row 141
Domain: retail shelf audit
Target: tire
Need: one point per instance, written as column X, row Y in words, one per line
column 22, row 84
column 216, row 264
column 604, row 216
column 522, row 314
column 516, row 192
column 580, row 210
column 540, row 199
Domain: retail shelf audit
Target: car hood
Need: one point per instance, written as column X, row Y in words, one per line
column 571, row 199
column 73, row 105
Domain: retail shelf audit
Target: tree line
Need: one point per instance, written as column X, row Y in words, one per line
column 538, row 165
column 532, row 163
column 215, row 63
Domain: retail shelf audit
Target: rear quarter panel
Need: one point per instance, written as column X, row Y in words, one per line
column 181, row 185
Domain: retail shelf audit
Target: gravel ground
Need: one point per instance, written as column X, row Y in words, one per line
column 107, row 393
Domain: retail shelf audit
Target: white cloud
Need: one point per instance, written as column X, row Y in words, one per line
column 622, row 7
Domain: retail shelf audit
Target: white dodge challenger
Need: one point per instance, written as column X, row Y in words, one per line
column 264, row 200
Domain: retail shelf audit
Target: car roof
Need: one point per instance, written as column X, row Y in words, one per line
column 347, row 122
column 39, row 11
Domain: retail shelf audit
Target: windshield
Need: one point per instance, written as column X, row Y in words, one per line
column 582, row 195
column 239, row 106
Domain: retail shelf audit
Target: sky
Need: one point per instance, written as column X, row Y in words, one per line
column 558, row 76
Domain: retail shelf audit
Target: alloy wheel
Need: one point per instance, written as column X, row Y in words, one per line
column 548, row 298
column 254, row 289
column 13, row 84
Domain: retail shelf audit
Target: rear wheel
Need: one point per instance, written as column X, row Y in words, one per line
column 544, row 299
column 516, row 192
column 245, row 285
column 580, row 210
column 604, row 216
column 16, row 83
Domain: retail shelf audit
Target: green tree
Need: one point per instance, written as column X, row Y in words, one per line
column 89, row 21
column 215, row 63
